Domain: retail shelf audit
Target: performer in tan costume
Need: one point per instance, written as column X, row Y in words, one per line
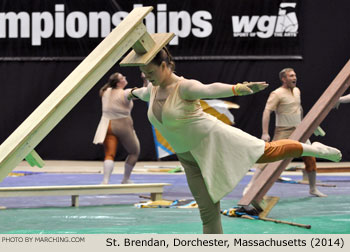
column 116, row 125
column 286, row 103
column 215, row 156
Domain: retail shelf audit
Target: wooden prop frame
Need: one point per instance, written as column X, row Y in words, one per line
column 308, row 125
column 155, row 189
column 130, row 33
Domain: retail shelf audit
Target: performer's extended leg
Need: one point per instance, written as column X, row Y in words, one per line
column 319, row 150
column 209, row 212
column 286, row 148
column 280, row 133
column 110, row 146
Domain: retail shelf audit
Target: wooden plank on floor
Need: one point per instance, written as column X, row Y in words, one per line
column 271, row 201
column 331, row 169
column 155, row 189
column 81, row 189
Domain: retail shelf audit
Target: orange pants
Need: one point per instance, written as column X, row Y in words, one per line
column 284, row 133
column 122, row 131
column 110, row 144
column 281, row 149
column 310, row 163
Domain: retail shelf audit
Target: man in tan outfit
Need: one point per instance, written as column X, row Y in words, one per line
column 285, row 102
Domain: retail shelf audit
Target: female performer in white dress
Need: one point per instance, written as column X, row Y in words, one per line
column 215, row 156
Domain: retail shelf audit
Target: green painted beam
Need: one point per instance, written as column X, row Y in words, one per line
column 34, row 159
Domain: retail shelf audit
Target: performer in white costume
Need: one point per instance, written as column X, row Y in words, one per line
column 215, row 156
column 116, row 125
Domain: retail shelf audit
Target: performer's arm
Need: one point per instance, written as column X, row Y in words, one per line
column 193, row 89
column 301, row 113
column 265, row 125
column 142, row 93
column 343, row 99
column 271, row 105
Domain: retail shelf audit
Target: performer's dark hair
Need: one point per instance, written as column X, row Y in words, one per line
column 164, row 55
column 112, row 83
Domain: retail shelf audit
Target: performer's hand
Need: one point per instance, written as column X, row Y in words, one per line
column 336, row 106
column 256, row 86
column 265, row 137
column 130, row 96
column 248, row 88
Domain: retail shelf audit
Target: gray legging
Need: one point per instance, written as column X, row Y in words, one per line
column 123, row 129
column 209, row 212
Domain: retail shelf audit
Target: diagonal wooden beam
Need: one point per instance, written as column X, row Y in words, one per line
column 52, row 110
column 308, row 125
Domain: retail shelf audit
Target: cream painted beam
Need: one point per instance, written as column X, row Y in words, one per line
column 52, row 110
column 155, row 189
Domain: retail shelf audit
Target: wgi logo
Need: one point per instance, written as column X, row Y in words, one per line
column 283, row 25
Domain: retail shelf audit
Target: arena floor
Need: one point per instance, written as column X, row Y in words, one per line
column 105, row 214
